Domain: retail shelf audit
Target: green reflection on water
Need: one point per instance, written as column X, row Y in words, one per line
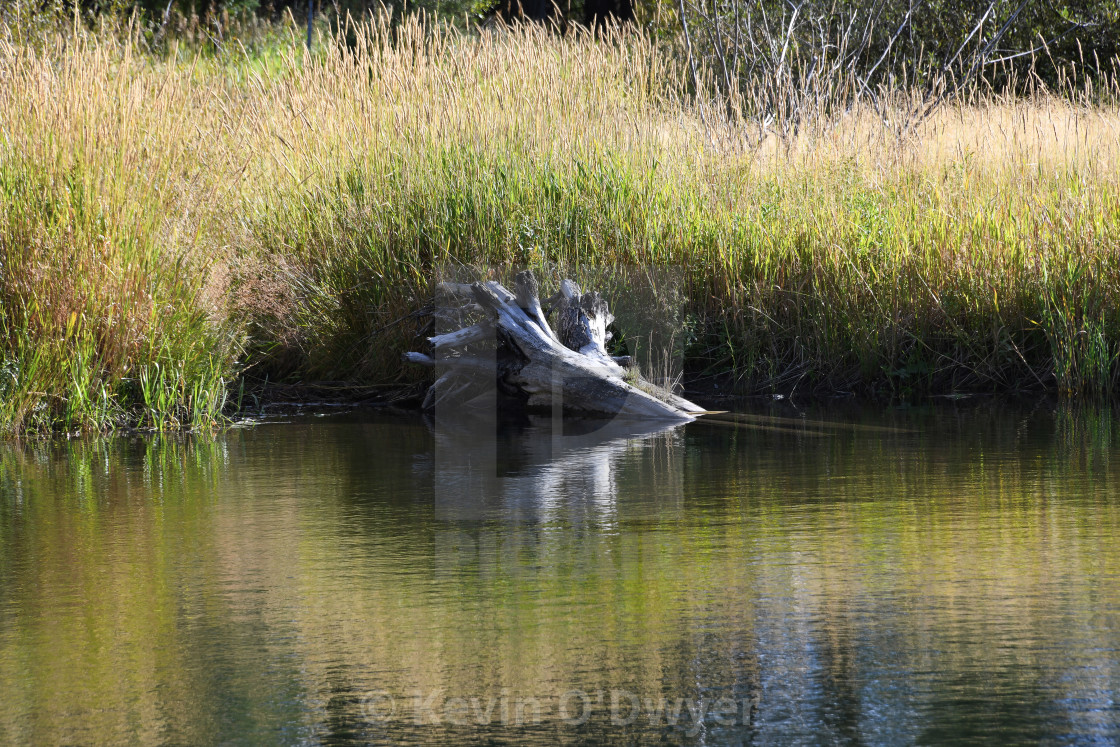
column 919, row 575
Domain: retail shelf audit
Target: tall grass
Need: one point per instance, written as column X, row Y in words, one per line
column 168, row 220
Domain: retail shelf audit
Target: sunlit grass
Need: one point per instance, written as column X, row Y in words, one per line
column 168, row 219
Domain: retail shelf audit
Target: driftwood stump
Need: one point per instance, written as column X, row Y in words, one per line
column 516, row 350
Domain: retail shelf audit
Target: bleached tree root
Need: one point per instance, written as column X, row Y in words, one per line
column 515, row 347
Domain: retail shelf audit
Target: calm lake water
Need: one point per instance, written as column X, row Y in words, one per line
column 830, row 574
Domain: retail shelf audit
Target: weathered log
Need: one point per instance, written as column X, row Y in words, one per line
column 569, row 369
column 583, row 319
column 461, row 337
column 529, row 300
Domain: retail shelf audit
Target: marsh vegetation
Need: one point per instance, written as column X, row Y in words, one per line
column 175, row 219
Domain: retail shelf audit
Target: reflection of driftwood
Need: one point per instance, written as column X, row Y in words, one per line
column 539, row 469
column 568, row 368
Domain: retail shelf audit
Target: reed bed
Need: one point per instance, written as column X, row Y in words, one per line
column 171, row 222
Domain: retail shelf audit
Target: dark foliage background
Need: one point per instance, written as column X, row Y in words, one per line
column 767, row 59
